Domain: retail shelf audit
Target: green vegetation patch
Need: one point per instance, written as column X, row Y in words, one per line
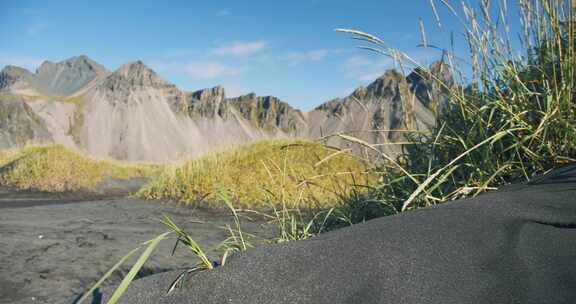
column 514, row 119
column 54, row 168
column 289, row 172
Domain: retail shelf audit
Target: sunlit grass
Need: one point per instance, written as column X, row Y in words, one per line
column 267, row 172
column 54, row 168
column 513, row 118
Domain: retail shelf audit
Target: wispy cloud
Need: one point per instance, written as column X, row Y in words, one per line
column 241, row 48
column 210, row 70
column 30, row 63
column 199, row 68
column 294, row 58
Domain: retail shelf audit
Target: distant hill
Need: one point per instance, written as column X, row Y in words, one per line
column 133, row 114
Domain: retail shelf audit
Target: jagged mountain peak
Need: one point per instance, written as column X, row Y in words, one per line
column 246, row 96
column 270, row 113
column 134, row 68
column 68, row 76
column 264, row 102
column 430, row 85
column 439, row 70
column 443, row 72
column 387, row 103
column 54, row 78
column 359, row 92
column 11, row 75
column 386, row 83
column 384, row 86
column 14, row 70
column 124, row 112
column 215, row 94
column 133, row 65
column 208, row 103
column 81, row 62
column 136, row 73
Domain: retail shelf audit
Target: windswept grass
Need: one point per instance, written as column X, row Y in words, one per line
column 54, row 168
column 294, row 172
column 512, row 117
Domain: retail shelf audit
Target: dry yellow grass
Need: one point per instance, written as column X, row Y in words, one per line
column 293, row 172
column 54, row 168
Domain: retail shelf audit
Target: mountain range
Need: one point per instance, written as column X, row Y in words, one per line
column 133, row 114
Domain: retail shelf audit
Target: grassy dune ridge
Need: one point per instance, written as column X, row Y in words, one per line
column 54, row 168
column 294, row 172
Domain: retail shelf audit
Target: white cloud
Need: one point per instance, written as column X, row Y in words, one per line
column 210, row 70
column 197, row 69
column 295, row 58
column 240, row 48
column 29, row 63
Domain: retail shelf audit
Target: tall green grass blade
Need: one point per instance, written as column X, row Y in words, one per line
column 189, row 242
column 107, row 275
column 137, row 266
column 223, row 195
column 459, row 157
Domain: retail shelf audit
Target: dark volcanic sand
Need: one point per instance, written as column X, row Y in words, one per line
column 515, row 245
column 52, row 247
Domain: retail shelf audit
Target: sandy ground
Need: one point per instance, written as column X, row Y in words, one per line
column 53, row 247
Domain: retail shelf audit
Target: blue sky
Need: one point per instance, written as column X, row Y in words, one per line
column 288, row 49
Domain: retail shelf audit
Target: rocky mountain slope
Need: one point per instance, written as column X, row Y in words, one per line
column 52, row 79
column 381, row 112
column 19, row 123
column 133, row 114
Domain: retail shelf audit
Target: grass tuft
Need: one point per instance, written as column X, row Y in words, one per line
column 294, row 172
column 512, row 117
column 54, row 168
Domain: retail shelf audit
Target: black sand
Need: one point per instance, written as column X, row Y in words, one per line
column 53, row 247
column 517, row 245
